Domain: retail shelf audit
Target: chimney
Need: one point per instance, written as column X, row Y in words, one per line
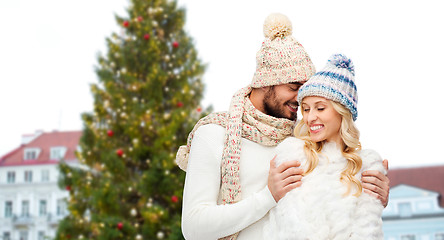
column 27, row 138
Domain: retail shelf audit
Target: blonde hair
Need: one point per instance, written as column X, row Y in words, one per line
column 350, row 137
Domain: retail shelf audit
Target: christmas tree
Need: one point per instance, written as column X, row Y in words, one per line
column 146, row 101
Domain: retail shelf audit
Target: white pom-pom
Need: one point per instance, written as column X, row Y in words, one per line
column 182, row 158
column 277, row 25
column 342, row 61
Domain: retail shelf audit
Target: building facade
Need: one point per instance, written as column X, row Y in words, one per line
column 415, row 209
column 31, row 203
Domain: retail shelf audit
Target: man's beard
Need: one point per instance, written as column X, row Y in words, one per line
column 273, row 108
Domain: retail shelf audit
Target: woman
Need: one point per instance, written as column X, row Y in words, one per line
column 330, row 204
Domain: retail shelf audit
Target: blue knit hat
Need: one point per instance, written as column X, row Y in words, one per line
column 335, row 82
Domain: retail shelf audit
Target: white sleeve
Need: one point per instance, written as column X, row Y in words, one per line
column 202, row 218
column 368, row 221
column 290, row 149
column 371, row 160
column 368, row 218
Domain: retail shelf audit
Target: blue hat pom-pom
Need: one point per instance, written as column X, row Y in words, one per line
column 341, row 61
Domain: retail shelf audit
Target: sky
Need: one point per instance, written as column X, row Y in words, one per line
column 48, row 50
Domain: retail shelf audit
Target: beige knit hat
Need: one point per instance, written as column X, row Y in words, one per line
column 281, row 58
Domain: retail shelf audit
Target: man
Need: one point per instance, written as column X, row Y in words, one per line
column 231, row 184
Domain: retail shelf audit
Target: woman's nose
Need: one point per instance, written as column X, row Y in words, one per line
column 311, row 116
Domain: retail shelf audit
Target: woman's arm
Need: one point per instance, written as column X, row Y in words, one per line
column 376, row 184
column 368, row 221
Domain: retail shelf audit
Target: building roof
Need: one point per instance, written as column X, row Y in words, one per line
column 430, row 178
column 44, row 141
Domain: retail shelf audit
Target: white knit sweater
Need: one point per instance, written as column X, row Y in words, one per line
column 202, row 217
column 318, row 210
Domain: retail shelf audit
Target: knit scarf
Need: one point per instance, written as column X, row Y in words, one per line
column 242, row 120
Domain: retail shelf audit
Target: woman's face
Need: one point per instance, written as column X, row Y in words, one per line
column 323, row 121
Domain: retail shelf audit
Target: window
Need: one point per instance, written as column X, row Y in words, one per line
column 45, row 175
column 61, row 207
column 28, row 176
column 41, row 235
column 42, row 208
column 57, row 153
column 8, row 209
column 408, row 237
column 405, row 210
column 11, row 177
column 23, row 235
column 439, row 236
column 6, row 236
column 25, row 208
column 31, row 153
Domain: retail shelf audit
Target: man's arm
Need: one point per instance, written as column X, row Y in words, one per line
column 377, row 184
column 202, row 217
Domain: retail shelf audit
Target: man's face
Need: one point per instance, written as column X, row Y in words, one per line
column 280, row 100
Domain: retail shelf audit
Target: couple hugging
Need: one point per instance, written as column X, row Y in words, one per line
column 256, row 172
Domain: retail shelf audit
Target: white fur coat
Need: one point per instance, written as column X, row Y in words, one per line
column 318, row 209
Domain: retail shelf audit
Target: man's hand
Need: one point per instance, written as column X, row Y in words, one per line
column 283, row 178
column 376, row 184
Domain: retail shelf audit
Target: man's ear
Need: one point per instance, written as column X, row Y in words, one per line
column 265, row 89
